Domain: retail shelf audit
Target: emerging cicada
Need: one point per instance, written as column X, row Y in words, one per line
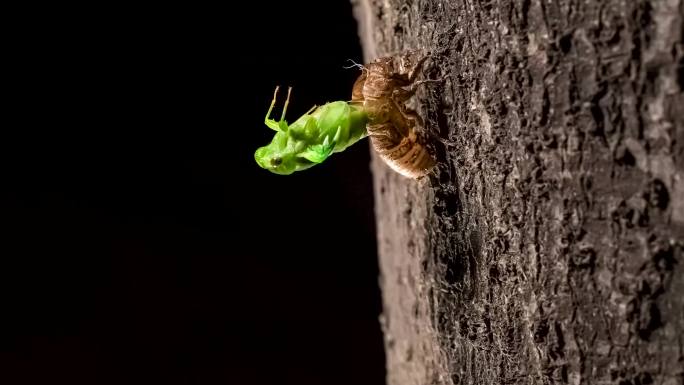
column 377, row 109
column 312, row 138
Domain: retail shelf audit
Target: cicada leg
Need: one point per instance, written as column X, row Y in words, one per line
column 406, row 73
column 280, row 125
column 287, row 101
column 270, row 123
column 413, row 117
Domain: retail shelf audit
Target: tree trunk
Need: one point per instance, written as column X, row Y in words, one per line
column 548, row 245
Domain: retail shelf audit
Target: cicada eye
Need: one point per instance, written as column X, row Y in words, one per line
column 276, row 161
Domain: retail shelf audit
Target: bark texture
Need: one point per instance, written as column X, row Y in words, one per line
column 548, row 245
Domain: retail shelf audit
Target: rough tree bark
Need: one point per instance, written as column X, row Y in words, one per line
column 548, row 245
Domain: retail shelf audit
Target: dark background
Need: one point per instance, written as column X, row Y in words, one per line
column 141, row 243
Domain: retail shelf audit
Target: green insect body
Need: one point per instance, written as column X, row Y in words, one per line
column 311, row 139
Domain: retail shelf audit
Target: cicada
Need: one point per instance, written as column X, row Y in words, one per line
column 377, row 109
column 311, row 139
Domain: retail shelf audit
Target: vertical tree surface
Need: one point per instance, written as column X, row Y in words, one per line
column 547, row 247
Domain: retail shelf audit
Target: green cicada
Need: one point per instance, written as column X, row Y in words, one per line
column 311, row 139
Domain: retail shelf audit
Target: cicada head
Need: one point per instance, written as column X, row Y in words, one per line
column 280, row 157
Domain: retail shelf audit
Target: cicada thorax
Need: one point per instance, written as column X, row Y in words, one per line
column 390, row 128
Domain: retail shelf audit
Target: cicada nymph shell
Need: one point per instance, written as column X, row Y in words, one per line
column 382, row 88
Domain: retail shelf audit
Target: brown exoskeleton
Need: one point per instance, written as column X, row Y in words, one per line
column 383, row 88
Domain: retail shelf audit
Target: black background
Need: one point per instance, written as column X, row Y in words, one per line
column 141, row 243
